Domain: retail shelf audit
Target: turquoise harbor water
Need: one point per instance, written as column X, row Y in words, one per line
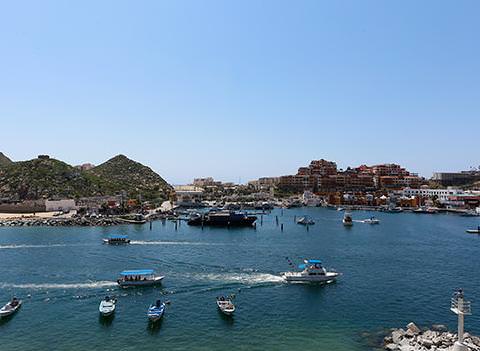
column 401, row 270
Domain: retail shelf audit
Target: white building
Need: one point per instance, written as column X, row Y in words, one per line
column 441, row 194
column 188, row 195
column 60, row 205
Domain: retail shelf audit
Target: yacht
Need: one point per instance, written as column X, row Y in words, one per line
column 117, row 240
column 312, row 271
column 142, row 277
column 225, row 305
column 107, row 306
column 347, row 219
column 223, row 218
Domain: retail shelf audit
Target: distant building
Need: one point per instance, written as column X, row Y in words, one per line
column 456, row 178
column 205, row 182
column 60, row 205
column 85, row 166
column 441, row 194
column 188, row 195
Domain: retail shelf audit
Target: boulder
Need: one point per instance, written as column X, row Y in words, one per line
column 439, row 328
column 413, row 327
column 392, row 347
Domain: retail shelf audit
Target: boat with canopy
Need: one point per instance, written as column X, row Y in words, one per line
column 117, row 240
column 141, row 277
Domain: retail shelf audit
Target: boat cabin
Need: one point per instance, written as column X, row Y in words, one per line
column 312, row 267
column 137, row 275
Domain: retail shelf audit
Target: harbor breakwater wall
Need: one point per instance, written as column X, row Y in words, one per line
column 437, row 338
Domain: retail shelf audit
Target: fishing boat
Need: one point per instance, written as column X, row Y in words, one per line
column 223, row 218
column 117, row 240
column 305, row 221
column 155, row 311
column 225, row 305
column 371, row 220
column 10, row 308
column 312, row 271
column 107, row 306
column 142, row 277
column 347, row 219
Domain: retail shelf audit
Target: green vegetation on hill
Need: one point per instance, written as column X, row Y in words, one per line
column 122, row 174
column 4, row 160
column 50, row 178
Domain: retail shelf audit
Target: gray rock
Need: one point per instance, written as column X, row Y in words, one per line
column 391, row 347
column 439, row 327
column 413, row 327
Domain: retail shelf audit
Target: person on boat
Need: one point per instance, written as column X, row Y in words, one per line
column 158, row 303
column 14, row 302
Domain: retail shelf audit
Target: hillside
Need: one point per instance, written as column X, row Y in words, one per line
column 120, row 173
column 4, row 160
column 50, row 178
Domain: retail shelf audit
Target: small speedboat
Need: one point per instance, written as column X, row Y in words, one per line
column 107, row 306
column 10, row 308
column 347, row 220
column 225, row 305
column 305, row 221
column 117, row 240
column 155, row 311
column 474, row 231
column 371, row 220
column 312, row 272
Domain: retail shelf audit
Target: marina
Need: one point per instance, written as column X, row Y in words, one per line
column 199, row 264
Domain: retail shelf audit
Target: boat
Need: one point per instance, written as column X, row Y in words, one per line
column 117, row 240
column 428, row 210
column 142, row 277
column 10, row 308
column 371, row 220
column 312, row 271
column 223, row 218
column 347, row 219
column 305, row 221
column 136, row 219
column 474, row 231
column 340, row 209
column 225, row 305
column 155, row 311
column 107, row 306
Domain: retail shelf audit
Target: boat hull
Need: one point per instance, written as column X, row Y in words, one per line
column 226, row 309
column 154, row 314
column 128, row 283
column 473, row 231
column 106, row 309
column 292, row 277
column 6, row 311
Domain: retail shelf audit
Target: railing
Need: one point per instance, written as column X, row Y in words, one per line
column 466, row 306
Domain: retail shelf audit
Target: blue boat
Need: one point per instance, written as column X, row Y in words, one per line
column 141, row 277
column 155, row 311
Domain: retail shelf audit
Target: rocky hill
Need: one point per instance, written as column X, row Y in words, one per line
column 4, row 160
column 122, row 174
column 50, row 178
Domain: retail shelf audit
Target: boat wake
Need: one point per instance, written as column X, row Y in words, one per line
column 193, row 243
column 242, row 278
column 89, row 285
column 25, row 246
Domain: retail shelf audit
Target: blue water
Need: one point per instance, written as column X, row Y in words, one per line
column 401, row 270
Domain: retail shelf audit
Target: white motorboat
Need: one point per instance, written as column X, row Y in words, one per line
column 305, row 221
column 10, row 308
column 371, row 220
column 117, row 240
column 142, row 277
column 155, row 311
column 312, row 271
column 225, row 305
column 107, row 306
column 347, row 219
column 474, row 231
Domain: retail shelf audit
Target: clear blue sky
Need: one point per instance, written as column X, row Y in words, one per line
column 242, row 89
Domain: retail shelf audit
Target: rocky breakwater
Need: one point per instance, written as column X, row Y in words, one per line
column 61, row 222
column 435, row 339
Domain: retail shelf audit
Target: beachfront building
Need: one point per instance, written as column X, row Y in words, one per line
column 440, row 194
column 188, row 195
